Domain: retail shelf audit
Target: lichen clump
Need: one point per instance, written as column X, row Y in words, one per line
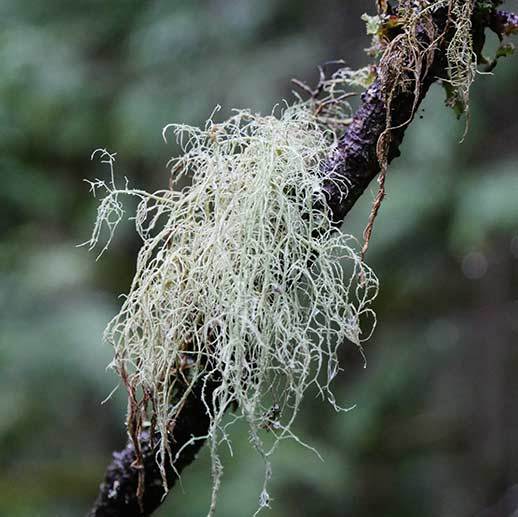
column 405, row 57
column 241, row 280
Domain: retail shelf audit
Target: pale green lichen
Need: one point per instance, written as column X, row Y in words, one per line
column 462, row 60
column 403, row 55
column 362, row 77
column 241, row 277
column 373, row 24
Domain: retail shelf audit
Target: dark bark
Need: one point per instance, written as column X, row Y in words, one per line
column 504, row 23
column 354, row 164
column 118, row 492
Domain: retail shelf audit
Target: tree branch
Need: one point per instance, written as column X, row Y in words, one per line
column 353, row 164
column 118, row 492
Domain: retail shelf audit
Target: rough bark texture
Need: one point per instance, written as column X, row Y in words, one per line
column 355, row 164
column 504, row 23
column 118, row 492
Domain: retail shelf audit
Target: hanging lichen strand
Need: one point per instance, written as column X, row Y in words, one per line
column 405, row 42
column 405, row 39
column 241, row 280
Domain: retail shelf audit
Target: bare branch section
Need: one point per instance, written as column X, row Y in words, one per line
column 370, row 143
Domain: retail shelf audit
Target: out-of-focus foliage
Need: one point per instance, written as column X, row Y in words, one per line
column 432, row 434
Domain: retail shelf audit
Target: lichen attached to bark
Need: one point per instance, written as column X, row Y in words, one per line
column 242, row 280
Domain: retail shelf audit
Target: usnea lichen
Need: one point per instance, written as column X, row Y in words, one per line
column 406, row 40
column 403, row 56
column 241, row 280
column 462, row 60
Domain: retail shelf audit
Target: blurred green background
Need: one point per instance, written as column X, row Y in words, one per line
column 436, row 424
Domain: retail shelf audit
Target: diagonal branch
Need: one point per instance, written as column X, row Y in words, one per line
column 354, row 163
column 118, row 492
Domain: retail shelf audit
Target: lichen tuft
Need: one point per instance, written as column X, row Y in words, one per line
column 241, row 280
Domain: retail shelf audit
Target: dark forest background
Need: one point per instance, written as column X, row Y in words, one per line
column 436, row 424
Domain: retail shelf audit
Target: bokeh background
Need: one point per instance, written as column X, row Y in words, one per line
column 435, row 429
